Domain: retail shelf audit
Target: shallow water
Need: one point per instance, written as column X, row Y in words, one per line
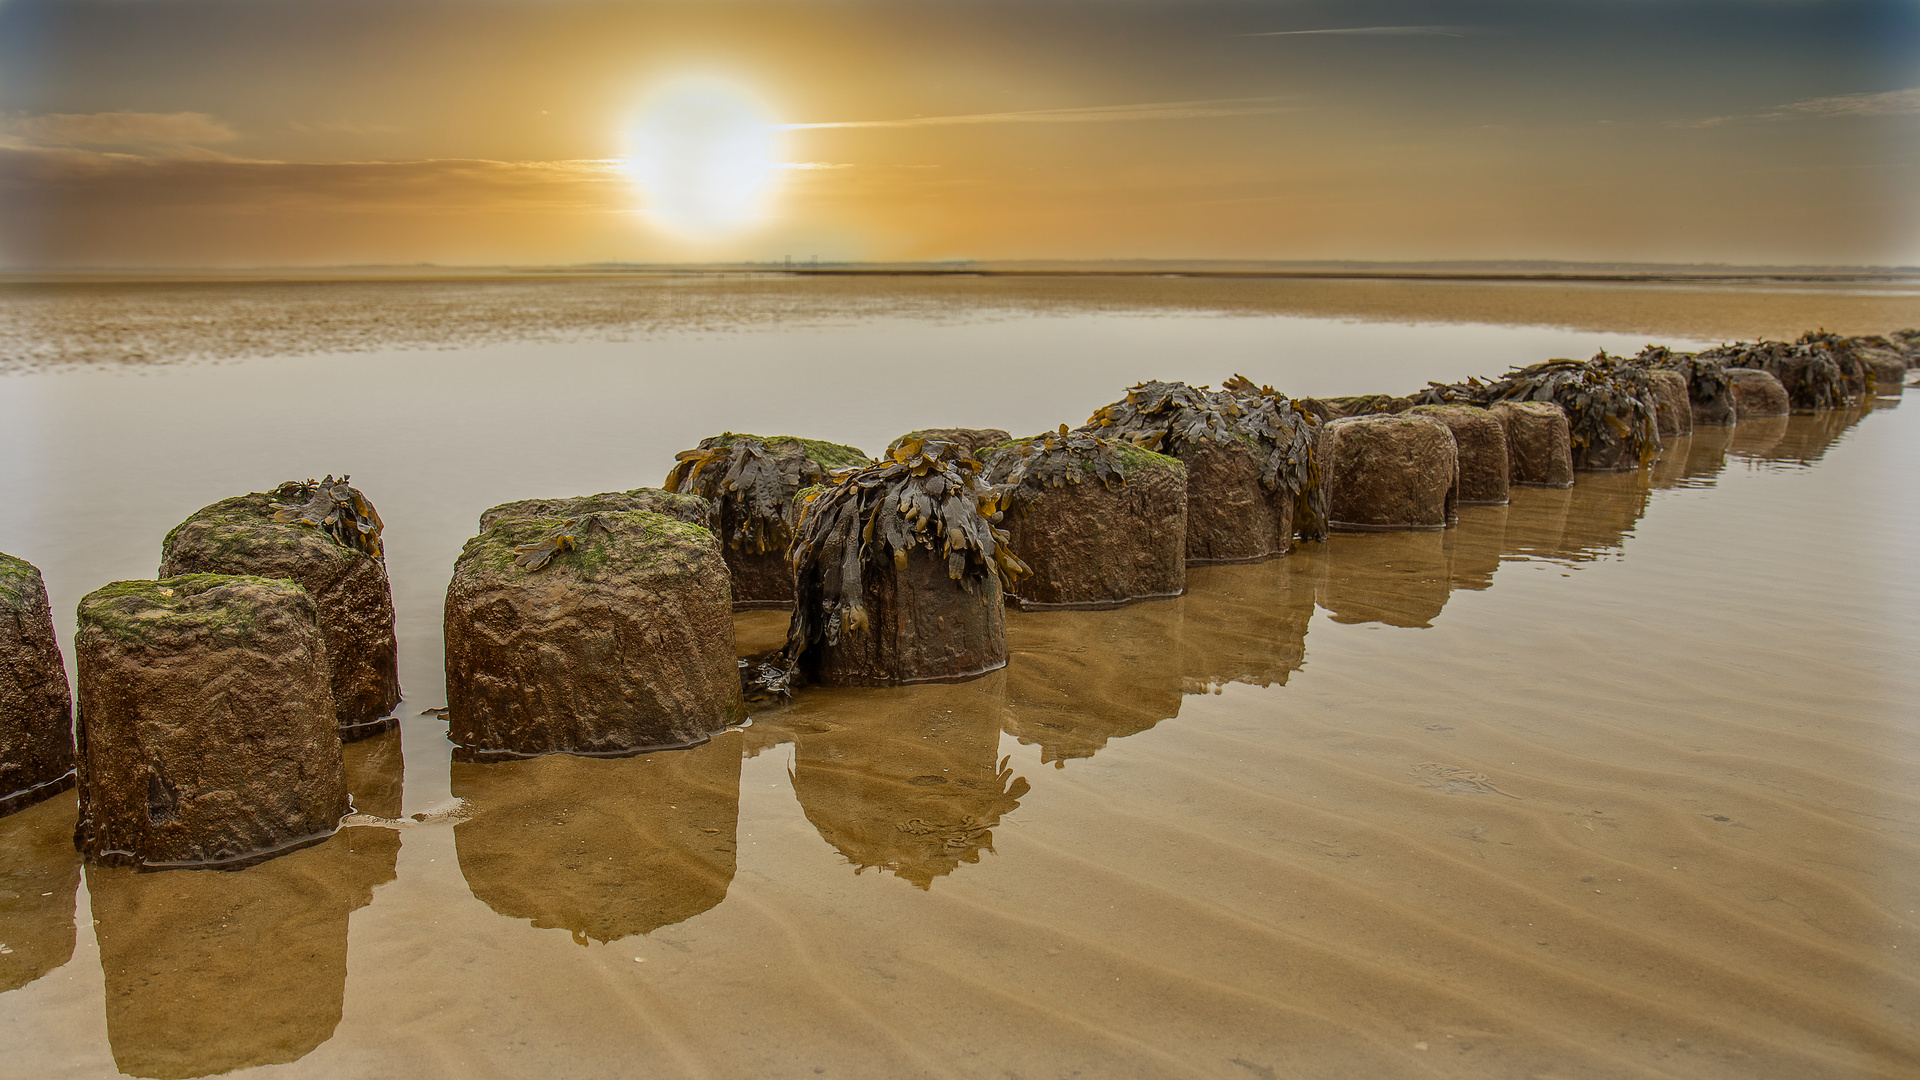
column 1617, row 781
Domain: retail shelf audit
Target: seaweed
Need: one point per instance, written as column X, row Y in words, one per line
column 1607, row 400
column 333, row 507
column 928, row 494
column 1289, row 438
column 1707, row 386
column 536, row 554
column 1056, row 459
column 757, row 481
column 1171, row 418
column 1809, row 371
column 1841, row 350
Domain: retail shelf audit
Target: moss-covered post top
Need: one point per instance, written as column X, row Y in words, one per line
column 16, row 578
column 1057, row 458
column 211, row 609
column 588, row 547
column 315, row 519
column 692, row 509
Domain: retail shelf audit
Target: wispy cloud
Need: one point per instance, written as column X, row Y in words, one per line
column 433, row 186
column 342, row 127
column 1098, row 114
column 1891, row 103
column 1381, row 31
column 118, row 129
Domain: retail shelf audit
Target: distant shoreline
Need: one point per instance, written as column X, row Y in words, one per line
column 1487, row 273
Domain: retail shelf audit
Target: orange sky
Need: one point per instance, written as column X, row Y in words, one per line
column 284, row 132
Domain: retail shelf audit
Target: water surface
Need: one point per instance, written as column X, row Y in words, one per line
column 1616, row 781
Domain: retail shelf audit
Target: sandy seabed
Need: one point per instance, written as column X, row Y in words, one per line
column 1616, row 781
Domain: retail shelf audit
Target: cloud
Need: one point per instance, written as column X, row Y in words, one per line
column 99, row 181
column 342, row 127
column 1098, row 114
column 1891, row 103
column 1381, row 31
column 118, row 129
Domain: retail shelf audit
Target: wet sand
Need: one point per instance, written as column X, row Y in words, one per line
column 1611, row 782
column 61, row 323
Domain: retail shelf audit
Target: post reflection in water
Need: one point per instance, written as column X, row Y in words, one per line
column 1396, row 578
column 209, row 971
column 915, row 784
column 1800, row 440
column 1245, row 623
column 1692, row 461
column 1076, row 679
column 602, row 848
column 39, row 875
column 376, row 774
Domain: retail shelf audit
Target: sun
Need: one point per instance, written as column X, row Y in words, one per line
column 704, row 154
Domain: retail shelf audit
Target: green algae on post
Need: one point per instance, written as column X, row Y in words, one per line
column 606, row 635
column 206, row 731
column 330, row 544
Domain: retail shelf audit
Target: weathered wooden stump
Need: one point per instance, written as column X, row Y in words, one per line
column 751, row 481
column 288, row 534
column 206, row 733
column 1391, row 472
column 1539, row 443
column 608, row 634
column 1251, row 482
column 1481, row 439
column 36, row 711
column 1098, row 523
column 899, row 571
column 1808, row 373
column 1708, row 395
column 1673, row 410
column 1756, row 394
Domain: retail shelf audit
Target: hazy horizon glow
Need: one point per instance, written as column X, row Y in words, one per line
column 183, row 133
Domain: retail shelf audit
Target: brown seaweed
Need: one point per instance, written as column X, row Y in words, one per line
column 536, row 554
column 1171, row 417
column 1608, row 401
column 1056, row 459
column 1168, row 417
column 928, row 494
column 334, row 507
column 1289, row 437
column 1707, row 388
column 755, row 480
column 1809, row 371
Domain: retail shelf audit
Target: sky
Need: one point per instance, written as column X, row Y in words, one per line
column 243, row 133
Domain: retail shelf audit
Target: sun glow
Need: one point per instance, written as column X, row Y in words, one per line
column 704, row 153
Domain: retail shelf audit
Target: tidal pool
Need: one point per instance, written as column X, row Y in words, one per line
column 1616, row 781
